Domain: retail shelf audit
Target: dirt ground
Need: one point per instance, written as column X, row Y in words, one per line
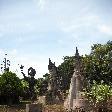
column 14, row 108
column 53, row 108
column 21, row 108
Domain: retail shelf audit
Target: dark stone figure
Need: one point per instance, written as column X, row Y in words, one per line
column 53, row 94
column 31, row 80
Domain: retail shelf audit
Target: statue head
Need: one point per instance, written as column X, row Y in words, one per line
column 31, row 72
column 51, row 67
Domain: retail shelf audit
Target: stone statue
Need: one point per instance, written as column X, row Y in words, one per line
column 31, row 80
column 53, row 76
column 53, row 84
column 75, row 99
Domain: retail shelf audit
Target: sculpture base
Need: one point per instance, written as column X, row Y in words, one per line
column 77, row 104
column 33, row 107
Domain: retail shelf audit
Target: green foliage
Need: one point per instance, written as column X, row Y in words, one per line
column 25, row 93
column 41, row 86
column 10, row 84
column 24, row 84
column 99, row 92
column 98, row 65
column 46, row 77
column 10, row 87
column 65, row 71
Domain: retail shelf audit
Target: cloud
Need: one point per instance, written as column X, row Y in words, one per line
column 51, row 31
column 105, row 29
column 2, row 53
column 40, row 4
column 14, row 52
column 78, row 22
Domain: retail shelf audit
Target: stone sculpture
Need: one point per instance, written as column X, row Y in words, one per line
column 53, row 82
column 53, row 85
column 75, row 99
column 31, row 80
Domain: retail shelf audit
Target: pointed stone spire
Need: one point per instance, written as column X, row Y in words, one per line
column 76, row 86
column 49, row 61
column 50, row 64
column 77, row 53
column 77, row 60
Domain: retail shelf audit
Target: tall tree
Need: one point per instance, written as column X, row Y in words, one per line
column 65, row 71
column 98, row 65
column 10, row 88
column 41, row 86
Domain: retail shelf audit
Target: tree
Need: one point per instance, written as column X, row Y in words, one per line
column 41, row 86
column 99, row 94
column 65, row 71
column 46, row 77
column 98, row 65
column 10, row 88
column 25, row 93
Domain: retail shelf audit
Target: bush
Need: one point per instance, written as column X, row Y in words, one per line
column 10, row 88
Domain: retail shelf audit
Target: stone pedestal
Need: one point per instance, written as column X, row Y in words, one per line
column 33, row 107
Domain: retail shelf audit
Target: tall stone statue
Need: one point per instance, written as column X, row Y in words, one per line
column 53, row 84
column 31, row 80
column 75, row 98
column 53, row 76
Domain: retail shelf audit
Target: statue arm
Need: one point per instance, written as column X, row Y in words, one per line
column 26, row 78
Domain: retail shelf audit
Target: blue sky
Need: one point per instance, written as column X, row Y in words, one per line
column 31, row 31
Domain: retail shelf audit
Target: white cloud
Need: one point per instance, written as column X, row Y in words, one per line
column 40, row 3
column 1, row 51
column 105, row 29
column 70, row 19
column 13, row 52
column 78, row 22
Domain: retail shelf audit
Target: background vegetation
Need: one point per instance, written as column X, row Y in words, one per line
column 96, row 69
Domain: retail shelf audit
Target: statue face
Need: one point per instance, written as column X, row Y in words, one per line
column 31, row 72
column 53, row 70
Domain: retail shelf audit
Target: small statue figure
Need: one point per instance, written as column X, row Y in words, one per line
column 31, row 80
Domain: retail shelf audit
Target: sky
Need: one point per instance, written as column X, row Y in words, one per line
column 32, row 31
